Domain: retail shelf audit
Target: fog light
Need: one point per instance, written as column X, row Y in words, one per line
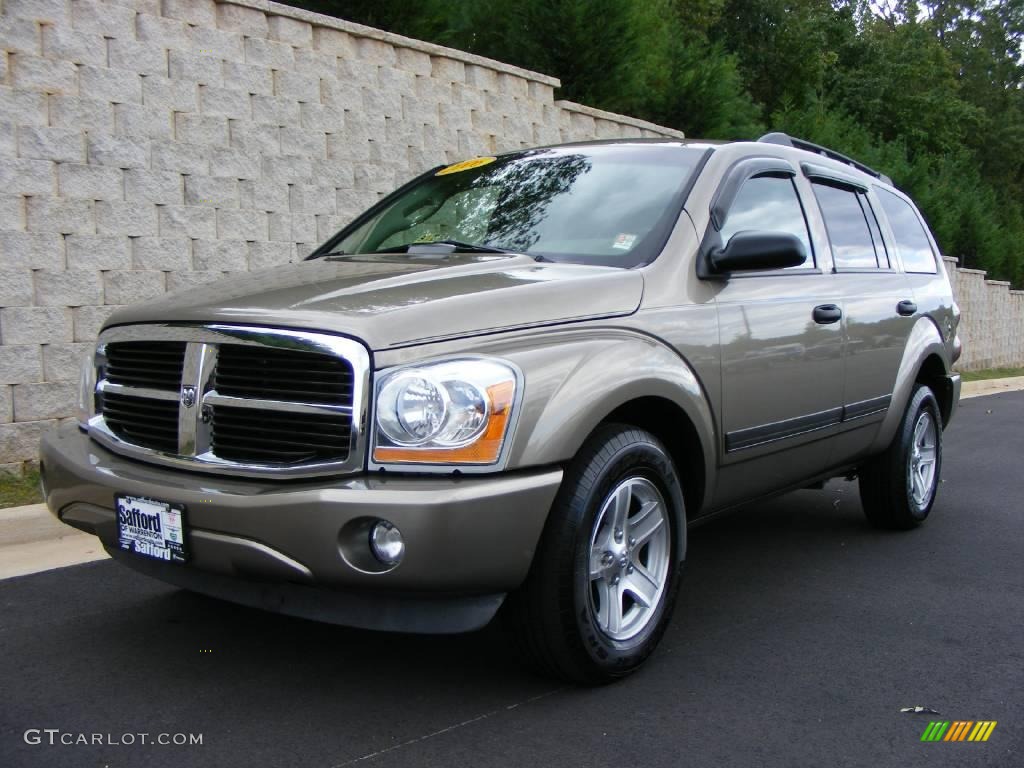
column 386, row 543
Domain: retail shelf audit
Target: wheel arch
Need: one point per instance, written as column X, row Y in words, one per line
column 619, row 377
column 673, row 427
column 933, row 373
column 925, row 359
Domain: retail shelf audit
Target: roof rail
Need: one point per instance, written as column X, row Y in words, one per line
column 788, row 141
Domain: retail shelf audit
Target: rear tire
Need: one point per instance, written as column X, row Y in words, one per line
column 898, row 487
column 605, row 575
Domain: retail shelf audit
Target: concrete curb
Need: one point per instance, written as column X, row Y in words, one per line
column 32, row 540
column 991, row 386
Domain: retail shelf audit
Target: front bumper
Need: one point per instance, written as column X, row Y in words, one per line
column 287, row 546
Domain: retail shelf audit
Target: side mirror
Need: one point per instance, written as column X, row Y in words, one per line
column 753, row 250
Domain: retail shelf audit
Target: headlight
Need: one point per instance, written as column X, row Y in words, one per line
column 451, row 412
column 87, row 389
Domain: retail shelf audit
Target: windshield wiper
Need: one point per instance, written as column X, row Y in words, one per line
column 460, row 245
column 473, row 246
column 457, row 245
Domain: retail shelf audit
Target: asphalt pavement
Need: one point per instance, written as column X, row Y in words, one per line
column 799, row 636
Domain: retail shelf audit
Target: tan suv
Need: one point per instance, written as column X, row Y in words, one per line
column 516, row 380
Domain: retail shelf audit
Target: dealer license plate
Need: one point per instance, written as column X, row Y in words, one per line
column 151, row 528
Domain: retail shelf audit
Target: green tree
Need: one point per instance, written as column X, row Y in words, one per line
column 785, row 47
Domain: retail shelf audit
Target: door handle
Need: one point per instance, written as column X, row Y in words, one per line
column 907, row 308
column 827, row 313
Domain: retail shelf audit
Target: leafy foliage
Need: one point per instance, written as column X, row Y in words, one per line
column 929, row 91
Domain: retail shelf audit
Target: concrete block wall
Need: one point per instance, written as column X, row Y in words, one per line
column 992, row 320
column 151, row 145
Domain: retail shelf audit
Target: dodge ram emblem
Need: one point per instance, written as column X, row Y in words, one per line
column 188, row 396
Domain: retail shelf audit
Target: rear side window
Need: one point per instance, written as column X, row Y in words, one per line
column 852, row 228
column 769, row 204
column 911, row 239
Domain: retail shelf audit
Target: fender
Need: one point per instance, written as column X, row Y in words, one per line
column 575, row 379
column 924, row 340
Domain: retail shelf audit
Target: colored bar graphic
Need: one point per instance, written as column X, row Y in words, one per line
column 956, row 730
column 959, row 730
column 935, row 730
column 988, row 731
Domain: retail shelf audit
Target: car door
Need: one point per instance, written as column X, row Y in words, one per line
column 919, row 257
column 781, row 344
column 877, row 307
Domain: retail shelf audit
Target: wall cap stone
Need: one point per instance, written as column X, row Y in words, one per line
column 277, row 9
column 600, row 114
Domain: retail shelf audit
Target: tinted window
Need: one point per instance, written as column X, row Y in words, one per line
column 911, row 240
column 604, row 204
column 846, row 213
column 768, row 203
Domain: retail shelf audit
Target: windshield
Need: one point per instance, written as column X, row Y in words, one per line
column 609, row 204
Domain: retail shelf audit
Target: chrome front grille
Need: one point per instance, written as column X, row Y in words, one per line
column 244, row 434
column 142, row 421
column 232, row 399
column 144, row 364
column 267, row 373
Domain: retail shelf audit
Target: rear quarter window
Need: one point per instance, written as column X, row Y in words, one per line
column 851, row 225
column 912, row 242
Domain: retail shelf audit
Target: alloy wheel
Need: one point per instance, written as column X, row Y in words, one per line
column 922, row 459
column 629, row 558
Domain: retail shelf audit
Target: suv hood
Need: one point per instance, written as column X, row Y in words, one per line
column 388, row 301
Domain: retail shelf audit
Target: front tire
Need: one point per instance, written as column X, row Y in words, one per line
column 898, row 488
column 605, row 575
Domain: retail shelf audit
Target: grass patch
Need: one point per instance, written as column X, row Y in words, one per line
column 992, row 373
column 18, row 490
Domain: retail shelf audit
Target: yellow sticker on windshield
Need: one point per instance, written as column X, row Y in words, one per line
column 466, row 165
